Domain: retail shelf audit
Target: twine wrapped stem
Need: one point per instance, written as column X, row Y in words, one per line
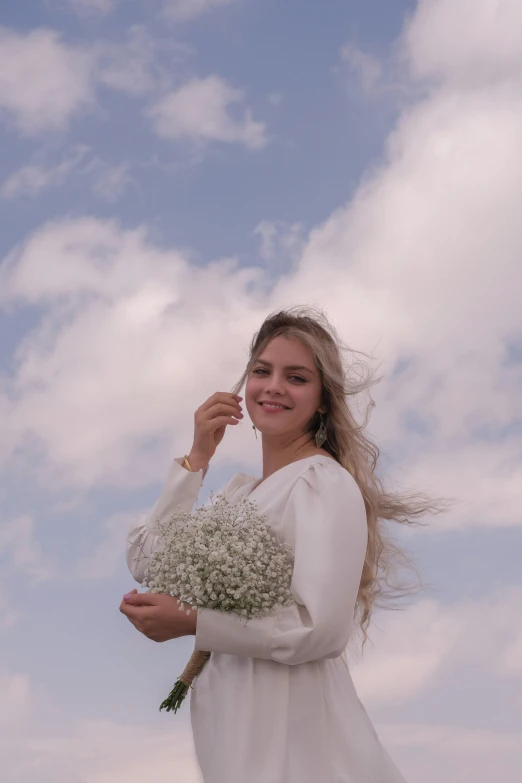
column 195, row 665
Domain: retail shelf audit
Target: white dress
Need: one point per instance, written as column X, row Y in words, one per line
column 275, row 702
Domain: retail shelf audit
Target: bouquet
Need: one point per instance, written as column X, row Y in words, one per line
column 225, row 557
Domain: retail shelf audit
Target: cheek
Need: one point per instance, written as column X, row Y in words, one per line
column 254, row 389
column 251, row 394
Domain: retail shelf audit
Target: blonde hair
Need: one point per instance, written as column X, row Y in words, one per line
column 354, row 450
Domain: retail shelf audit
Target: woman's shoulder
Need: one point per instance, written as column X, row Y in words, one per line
column 326, row 474
column 326, row 487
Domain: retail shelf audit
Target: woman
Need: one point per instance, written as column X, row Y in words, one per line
column 275, row 703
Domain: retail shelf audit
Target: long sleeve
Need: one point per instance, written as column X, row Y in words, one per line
column 327, row 516
column 181, row 490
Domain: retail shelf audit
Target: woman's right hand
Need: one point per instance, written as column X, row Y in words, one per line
column 210, row 422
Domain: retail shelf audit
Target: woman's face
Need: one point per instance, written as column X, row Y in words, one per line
column 284, row 373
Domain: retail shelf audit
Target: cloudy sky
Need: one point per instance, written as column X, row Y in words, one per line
column 171, row 171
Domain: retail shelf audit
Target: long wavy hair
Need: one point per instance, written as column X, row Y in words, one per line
column 355, row 451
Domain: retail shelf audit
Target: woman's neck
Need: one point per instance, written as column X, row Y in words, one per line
column 275, row 460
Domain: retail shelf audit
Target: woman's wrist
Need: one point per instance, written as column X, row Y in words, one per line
column 197, row 462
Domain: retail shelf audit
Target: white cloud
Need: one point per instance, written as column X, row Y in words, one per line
column 91, row 7
column 185, row 10
column 279, row 239
column 8, row 613
column 123, row 328
column 432, row 753
column 466, row 42
column 101, row 751
column 135, row 66
column 103, row 562
column 30, row 179
column 24, row 552
column 14, row 698
column 107, row 182
column 43, row 81
column 414, row 648
column 366, row 68
column 422, row 263
column 111, row 182
column 425, row 259
column 200, row 111
column 454, row 738
column 33, row 178
column 510, row 662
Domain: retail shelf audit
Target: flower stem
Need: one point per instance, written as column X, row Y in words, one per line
column 175, row 698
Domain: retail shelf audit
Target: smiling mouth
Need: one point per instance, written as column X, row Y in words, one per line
column 269, row 405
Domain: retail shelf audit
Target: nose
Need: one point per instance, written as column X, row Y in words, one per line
column 274, row 386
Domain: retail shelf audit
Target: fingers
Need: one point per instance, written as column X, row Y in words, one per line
column 126, row 608
column 212, row 418
column 209, row 420
column 227, row 411
column 133, row 614
column 132, row 603
column 141, row 599
column 229, row 408
column 226, row 398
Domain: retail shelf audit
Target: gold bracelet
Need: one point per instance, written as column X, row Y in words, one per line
column 185, row 461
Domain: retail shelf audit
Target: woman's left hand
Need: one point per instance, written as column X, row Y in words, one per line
column 157, row 615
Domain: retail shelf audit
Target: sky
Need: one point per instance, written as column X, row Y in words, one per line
column 171, row 172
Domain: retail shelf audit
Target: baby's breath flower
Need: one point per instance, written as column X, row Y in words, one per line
column 223, row 556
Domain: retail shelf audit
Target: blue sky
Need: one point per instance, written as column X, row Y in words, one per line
column 170, row 173
column 287, row 50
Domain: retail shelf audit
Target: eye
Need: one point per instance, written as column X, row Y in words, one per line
column 260, row 369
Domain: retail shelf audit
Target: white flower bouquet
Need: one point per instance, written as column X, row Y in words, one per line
column 225, row 557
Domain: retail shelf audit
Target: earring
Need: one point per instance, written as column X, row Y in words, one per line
column 320, row 435
column 254, row 428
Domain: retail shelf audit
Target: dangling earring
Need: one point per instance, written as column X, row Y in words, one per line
column 254, row 428
column 320, row 435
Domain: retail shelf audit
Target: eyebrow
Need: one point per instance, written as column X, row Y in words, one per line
column 288, row 366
